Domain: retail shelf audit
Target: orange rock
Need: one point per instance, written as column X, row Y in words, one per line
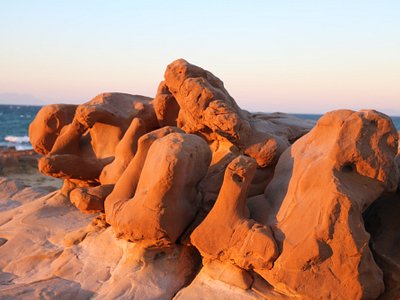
column 207, row 109
column 205, row 105
column 166, row 199
column 47, row 125
column 223, row 152
column 283, row 125
column 273, row 208
column 88, row 133
column 124, row 152
column 314, row 204
column 79, row 141
column 197, row 102
column 90, row 199
column 227, row 234
column 125, row 188
column 165, row 106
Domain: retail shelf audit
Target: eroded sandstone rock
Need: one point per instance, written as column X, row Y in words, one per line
column 79, row 141
column 165, row 106
column 227, row 233
column 197, row 102
column 166, row 199
column 207, row 109
column 314, row 204
column 191, row 183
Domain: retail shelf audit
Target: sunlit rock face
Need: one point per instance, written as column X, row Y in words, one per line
column 314, row 203
column 188, row 196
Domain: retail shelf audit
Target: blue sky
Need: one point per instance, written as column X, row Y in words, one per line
column 290, row 56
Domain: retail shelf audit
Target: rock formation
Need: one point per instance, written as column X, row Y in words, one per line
column 79, row 141
column 166, row 199
column 227, row 233
column 321, row 187
column 274, row 206
column 207, row 109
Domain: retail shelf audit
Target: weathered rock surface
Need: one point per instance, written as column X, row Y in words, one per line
column 285, row 126
column 315, row 203
column 206, row 287
column 92, row 144
column 14, row 193
column 55, row 252
column 207, row 109
column 165, row 106
column 383, row 223
column 197, row 102
column 166, row 199
column 79, row 141
column 204, row 199
column 227, row 233
column 10, row 187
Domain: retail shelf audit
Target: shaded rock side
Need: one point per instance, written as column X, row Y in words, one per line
column 383, row 223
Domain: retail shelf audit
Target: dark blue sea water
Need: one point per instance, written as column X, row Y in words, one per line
column 15, row 119
column 14, row 122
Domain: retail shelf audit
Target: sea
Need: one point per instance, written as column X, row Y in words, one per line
column 15, row 120
column 14, row 123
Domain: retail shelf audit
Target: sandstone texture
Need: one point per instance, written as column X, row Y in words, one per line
column 52, row 251
column 78, row 141
column 165, row 202
column 327, row 246
column 189, row 196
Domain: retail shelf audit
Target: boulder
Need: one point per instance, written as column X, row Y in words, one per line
column 165, row 106
column 314, row 204
column 227, row 233
column 198, row 103
column 161, row 201
column 207, row 109
column 273, row 206
column 91, row 143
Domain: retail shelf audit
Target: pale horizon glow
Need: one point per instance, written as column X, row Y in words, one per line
column 288, row 56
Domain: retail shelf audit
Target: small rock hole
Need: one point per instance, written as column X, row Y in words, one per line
column 347, row 168
column 373, row 122
column 237, row 178
column 159, row 255
column 3, row 241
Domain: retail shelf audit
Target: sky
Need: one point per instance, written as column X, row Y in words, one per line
column 288, row 56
